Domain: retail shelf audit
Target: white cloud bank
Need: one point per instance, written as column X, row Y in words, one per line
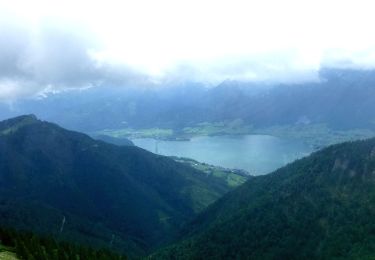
column 68, row 44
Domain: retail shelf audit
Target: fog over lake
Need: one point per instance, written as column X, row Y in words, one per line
column 257, row 154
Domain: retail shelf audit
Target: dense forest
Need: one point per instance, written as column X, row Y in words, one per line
column 66, row 186
column 63, row 183
column 187, row 130
column 319, row 207
column 29, row 246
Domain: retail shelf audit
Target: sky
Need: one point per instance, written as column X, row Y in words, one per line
column 55, row 45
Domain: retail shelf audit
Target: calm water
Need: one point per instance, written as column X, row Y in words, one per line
column 258, row 154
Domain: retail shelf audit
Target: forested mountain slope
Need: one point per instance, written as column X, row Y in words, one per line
column 66, row 184
column 319, row 207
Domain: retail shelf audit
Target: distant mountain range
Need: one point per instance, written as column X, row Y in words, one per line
column 319, row 207
column 343, row 99
column 65, row 184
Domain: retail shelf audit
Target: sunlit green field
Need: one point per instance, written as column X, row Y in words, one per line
column 316, row 135
column 157, row 133
column 232, row 177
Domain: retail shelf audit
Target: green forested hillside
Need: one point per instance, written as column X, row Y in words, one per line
column 73, row 188
column 319, row 207
column 65, row 184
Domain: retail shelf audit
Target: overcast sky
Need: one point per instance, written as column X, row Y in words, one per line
column 68, row 44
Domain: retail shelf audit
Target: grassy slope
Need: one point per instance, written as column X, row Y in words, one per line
column 232, row 177
column 7, row 253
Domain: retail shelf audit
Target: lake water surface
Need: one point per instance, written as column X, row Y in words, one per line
column 257, row 154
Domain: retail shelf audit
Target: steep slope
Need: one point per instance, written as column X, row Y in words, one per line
column 114, row 140
column 69, row 185
column 319, row 207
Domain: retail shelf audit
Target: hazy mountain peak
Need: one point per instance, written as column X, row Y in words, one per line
column 13, row 124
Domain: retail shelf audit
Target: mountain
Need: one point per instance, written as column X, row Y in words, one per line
column 342, row 99
column 114, row 140
column 319, row 207
column 72, row 187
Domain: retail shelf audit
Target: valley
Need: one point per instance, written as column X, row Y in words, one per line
column 231, row 145
column 187, row 130
column 256, row 154
column 183, row 200
column 314, row 135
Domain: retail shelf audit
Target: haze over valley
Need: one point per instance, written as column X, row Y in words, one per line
column 181, row 120
column 187, row 129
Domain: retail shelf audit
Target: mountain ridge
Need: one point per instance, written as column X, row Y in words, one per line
column 102, row 189
column 319, row 207
column 342, row 99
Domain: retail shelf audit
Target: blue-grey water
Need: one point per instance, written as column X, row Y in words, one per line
column 257, row 154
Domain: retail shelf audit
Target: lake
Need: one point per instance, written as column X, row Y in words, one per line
column 257, row 154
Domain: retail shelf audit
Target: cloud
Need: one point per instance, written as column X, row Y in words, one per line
column 50, row 46
column 53, row 56
column 344, row 59
column 13, row 44
column 283, row 66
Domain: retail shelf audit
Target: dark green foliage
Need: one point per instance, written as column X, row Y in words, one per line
column 103, row 190
column 30, row 246
column 319, row 207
